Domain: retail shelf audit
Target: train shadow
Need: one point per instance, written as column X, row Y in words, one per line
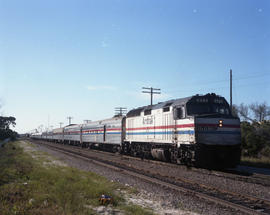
column 237, row 171
column 248, row 170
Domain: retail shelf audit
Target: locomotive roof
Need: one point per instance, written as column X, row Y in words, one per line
column 104, row 121
column 172, row 102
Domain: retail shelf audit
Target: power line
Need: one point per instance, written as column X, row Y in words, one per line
column 120, row 111
column 219, row 88
column 86, row 121
column 212, row 82
column 248, row 76
column 151, row 91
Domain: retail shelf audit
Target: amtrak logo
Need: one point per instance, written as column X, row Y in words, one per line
column 148, row 120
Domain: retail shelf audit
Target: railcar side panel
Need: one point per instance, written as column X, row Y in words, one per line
column 72, row 133
column 93, row 133
column 58, row 134
column 160, row 127
column 107, row 131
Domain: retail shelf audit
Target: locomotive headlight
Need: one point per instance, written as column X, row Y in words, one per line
column 220, row 123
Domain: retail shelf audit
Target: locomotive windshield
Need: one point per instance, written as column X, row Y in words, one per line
column 208, row 105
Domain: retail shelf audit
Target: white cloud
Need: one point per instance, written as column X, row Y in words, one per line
column 100, row 87
column 104, row 44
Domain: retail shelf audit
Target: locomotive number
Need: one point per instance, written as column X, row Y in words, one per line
column 206, row 128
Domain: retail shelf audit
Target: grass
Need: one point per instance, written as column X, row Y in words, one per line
column 263, row 162
column 27, row 186
column 136, row 210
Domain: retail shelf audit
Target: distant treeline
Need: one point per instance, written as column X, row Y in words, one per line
column 255, row 129
column 5, row 131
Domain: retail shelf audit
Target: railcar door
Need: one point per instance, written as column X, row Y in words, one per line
column 81, row 141
column 123, row 129
column 150, row 127
column 178, row 114
column 131, row 126
column 104, row 133
column 168, row 127
column 165, row 124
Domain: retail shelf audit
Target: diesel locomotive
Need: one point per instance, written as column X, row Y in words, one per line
column 199, row 130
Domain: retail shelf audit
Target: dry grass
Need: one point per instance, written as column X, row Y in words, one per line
column 27, row 186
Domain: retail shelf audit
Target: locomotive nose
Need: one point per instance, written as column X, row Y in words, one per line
column 219, row 142
column 215, row 131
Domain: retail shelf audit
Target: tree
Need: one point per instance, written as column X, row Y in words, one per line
column 6, row 122
column 254, row 112
column 235, row 111
column 260, row 111
column 5, row 131
column 255, row 129
column 244, row 112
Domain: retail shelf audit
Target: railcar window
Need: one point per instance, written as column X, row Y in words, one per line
column 198, row 109
column 147, row 112
column 221, row 109
column 166, row 109
column 194, row 109
column 179, row 113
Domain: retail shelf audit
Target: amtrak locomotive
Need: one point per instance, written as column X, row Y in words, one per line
column 199, row 130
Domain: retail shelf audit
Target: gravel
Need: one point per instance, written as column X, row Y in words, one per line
column 161, row 200
column 217, row 181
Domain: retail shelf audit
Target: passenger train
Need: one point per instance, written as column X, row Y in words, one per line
column 199, row 130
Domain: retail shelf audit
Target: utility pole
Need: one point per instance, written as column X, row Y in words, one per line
column 151, row 92
column 48, row 121
column 69, row 119
column 119, row 111
column 60, row 123
column 231, row 89
column 40, row 128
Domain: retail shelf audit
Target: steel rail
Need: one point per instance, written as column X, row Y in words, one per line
column 148, row 179
column 222, row 174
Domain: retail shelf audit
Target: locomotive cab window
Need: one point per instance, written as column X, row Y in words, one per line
column 205, row 106
column 179, row 113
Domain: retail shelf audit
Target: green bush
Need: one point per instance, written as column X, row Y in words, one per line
column 255, row 138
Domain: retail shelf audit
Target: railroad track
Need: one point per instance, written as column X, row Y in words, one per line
column 228, row 174
column 239, row 202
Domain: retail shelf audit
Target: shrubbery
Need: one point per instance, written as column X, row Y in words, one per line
column 255, row 129
column 256, row 138
column 5, row 131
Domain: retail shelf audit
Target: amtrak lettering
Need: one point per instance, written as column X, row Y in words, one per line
column 148, row 120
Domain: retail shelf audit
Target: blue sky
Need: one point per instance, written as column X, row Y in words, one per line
column 83, row 58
